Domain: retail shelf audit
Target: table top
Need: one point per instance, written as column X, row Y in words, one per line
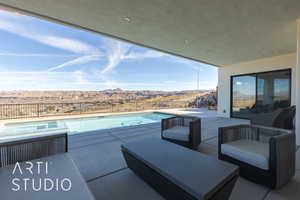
column 32, row 180
column 197, row 173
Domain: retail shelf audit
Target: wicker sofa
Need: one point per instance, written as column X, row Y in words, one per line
column 185, row 131
column 40, row 157
column 266, row 155
column 24, row 149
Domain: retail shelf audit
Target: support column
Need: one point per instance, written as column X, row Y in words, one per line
column 298, row 85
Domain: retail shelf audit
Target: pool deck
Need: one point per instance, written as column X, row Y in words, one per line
column 98, row 157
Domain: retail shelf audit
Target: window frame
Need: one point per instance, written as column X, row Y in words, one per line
column 256, row 86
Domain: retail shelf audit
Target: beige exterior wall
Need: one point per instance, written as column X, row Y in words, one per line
column 261, row 65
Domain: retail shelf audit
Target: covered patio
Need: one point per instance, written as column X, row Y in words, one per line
column 237, row 37
column 240, row 38
column 100, row 161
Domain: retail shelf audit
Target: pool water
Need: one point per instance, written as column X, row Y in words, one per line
column 79, row 125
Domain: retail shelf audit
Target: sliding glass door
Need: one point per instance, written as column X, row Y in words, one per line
column 252, row 94
column 244, row 95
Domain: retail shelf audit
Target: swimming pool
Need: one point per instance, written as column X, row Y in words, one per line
column 80, row 125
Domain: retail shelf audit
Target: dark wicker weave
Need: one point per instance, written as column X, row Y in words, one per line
column 194, row 125
column 32, row 148
column 167, row 188
column 282, row 153
column 178, row 173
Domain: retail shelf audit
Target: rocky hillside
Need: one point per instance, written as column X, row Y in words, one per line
column 208, row 99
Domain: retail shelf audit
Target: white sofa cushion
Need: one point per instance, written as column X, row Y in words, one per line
column 177, row 133
column 252, row 152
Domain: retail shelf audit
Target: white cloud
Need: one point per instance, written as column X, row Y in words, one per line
column 48, row 81
column 80, row 78
column 89, row 53
column 64, row 43
column 115, row 51
column 144, row 55
column 56, row 81
column 35, row 55
column 156, row 54
column 35, row 80
column 77, row 61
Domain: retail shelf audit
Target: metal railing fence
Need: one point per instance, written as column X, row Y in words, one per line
column 32, row 110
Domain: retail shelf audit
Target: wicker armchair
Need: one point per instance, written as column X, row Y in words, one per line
column 266, row 155
column 280, row 118
column 32, row 148
column 185, row 131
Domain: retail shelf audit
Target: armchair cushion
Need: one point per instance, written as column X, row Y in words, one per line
column 177, row 133
column 250, row 151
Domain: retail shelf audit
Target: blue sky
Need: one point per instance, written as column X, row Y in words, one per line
column 40, row 55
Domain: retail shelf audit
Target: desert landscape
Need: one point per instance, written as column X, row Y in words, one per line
column 25, row 104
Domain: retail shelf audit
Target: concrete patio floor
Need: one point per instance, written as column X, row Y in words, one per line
column 98, row 157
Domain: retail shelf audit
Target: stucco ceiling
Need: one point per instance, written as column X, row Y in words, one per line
column 219, row 32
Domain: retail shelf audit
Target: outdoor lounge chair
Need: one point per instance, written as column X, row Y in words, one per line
column 25, row 149
column 280, row 118
column 185, row 131
column 266, row 155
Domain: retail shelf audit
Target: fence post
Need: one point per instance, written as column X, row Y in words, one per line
column 38, row 109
